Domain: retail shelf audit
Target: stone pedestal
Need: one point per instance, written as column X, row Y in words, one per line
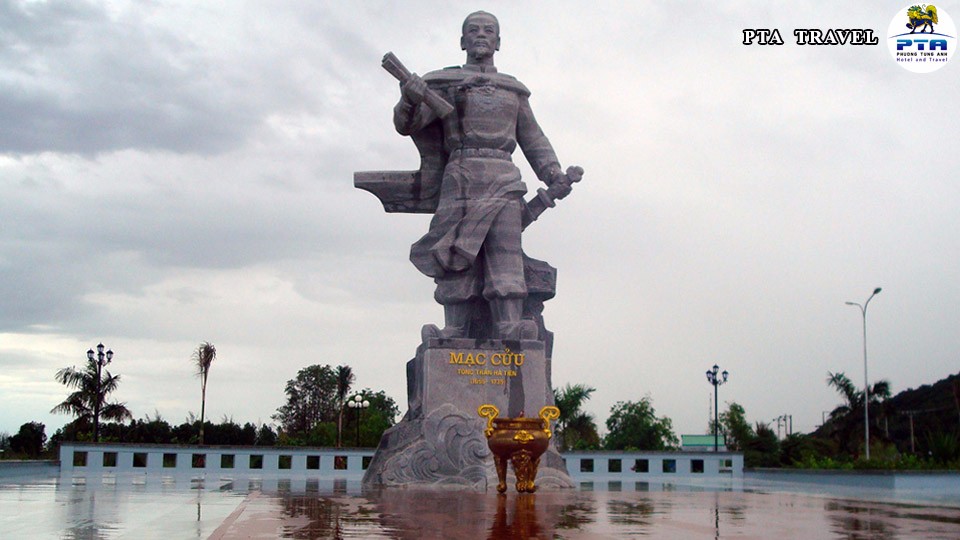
column 440, row 441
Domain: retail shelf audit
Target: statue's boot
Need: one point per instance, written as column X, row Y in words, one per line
column 456, row 323
column 507, row 321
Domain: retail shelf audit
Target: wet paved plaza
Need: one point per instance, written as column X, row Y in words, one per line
column 181, row 507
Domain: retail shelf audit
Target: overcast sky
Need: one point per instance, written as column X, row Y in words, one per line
column 177, row 172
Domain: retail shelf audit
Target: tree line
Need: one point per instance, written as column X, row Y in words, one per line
column 315, row 413
column 931, row 441
column 632, row 425
column 840, row 442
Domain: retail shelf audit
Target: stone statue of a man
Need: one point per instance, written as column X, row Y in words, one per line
column 472, row 249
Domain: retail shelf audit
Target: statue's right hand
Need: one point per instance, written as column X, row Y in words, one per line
column 414, row 89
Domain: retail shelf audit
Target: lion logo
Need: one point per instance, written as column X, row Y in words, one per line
column 922, row 17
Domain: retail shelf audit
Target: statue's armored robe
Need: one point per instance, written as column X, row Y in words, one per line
column 473, row 246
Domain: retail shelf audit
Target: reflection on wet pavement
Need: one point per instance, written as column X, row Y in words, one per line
column 112, row 508
column 177, row 507
column 415, row 514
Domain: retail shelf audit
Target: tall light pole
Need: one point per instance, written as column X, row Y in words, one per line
column 785, row 420
column 866, row 381
column 101, row 359
column 359, row 404
column 716, row 379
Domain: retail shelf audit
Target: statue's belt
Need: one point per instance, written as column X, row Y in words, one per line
column 481, row 152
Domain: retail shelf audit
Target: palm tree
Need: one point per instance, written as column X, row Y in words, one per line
column 344, row 381
column 88, row 402
column 203, row 357
column 574, row 424
column 581, row 432
column 763, row 450
column 847, row 415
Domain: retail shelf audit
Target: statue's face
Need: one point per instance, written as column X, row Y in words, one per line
column 481, row 36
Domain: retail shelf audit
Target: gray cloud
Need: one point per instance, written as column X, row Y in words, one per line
column 76, row 77
column 77, row 80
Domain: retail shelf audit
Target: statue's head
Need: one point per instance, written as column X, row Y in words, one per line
column 481, row 35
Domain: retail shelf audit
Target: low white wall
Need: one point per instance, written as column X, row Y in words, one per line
column 946, row 481
column 101, row 458
column 80, row 458
column 616, row 465
column 11, row 470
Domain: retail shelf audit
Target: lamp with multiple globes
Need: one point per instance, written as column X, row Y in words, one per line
column 716, row 378
column 359, row 404
column 102, row 359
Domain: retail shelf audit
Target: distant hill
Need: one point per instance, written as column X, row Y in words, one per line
column 935, row 408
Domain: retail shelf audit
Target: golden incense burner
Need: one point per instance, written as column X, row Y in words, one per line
column 520, row 440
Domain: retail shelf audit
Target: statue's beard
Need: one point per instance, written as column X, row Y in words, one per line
column 480, row 52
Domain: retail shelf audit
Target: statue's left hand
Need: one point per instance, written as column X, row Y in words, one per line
column 563, row 183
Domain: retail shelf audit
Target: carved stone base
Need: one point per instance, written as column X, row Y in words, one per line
column 440, row 441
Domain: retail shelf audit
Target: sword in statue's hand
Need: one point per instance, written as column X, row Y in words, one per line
column 547, row 198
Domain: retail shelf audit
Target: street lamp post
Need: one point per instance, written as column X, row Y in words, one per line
column 716, row 379
column 101, row 359
column 359, row 404
column 866, row 381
